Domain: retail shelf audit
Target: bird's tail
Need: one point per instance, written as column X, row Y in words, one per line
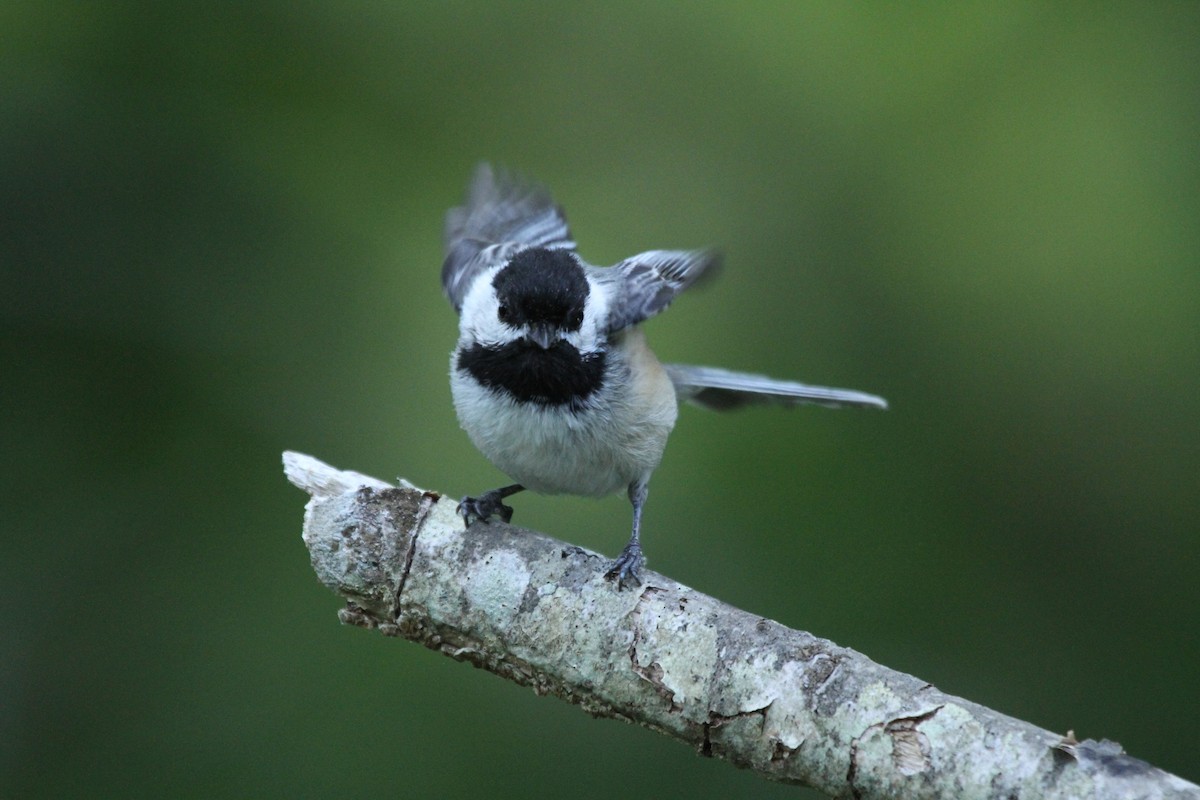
column 723, row 390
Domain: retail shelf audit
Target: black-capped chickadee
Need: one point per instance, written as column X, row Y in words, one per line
column 552, row 378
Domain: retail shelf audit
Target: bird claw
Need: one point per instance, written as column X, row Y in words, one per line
column 482, row 508
column 624, row 570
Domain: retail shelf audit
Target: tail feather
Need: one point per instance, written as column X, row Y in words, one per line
column 723, row 390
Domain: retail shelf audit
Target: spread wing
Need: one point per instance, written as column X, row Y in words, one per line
column 723, row 390
column 502, row 215
column 646, row 284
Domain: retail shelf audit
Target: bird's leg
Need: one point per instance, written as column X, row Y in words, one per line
column 625, row 569
column 488, row 504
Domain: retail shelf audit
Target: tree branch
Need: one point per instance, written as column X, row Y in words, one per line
column 784, row 703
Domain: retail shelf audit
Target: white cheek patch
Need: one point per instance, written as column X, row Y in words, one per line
column 590, row 336
column 480, row 321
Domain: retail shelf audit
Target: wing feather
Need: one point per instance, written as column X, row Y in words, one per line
column 647, row 283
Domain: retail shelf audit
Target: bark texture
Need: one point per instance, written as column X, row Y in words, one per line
column 789, row 705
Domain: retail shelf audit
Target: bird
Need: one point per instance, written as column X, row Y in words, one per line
column 551, row 376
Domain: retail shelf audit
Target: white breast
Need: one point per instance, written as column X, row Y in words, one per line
column 617, row 439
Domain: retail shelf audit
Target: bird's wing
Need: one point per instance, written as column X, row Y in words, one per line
column 646, row 284
column 502, row 215
column 722, row 390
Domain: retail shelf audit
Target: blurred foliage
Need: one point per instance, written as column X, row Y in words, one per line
column 221, row 239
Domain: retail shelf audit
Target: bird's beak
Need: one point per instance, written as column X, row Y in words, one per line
column 542, row 336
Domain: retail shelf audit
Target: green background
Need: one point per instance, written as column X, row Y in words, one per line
column 220, row 238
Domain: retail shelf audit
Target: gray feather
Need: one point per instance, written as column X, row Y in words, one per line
column 723, row 390
column 647, row 283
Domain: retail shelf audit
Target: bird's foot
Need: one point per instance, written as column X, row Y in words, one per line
column 487, row 505
column 624, row 570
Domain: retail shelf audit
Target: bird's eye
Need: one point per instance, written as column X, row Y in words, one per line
column 504, row 314
column 576, row 320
